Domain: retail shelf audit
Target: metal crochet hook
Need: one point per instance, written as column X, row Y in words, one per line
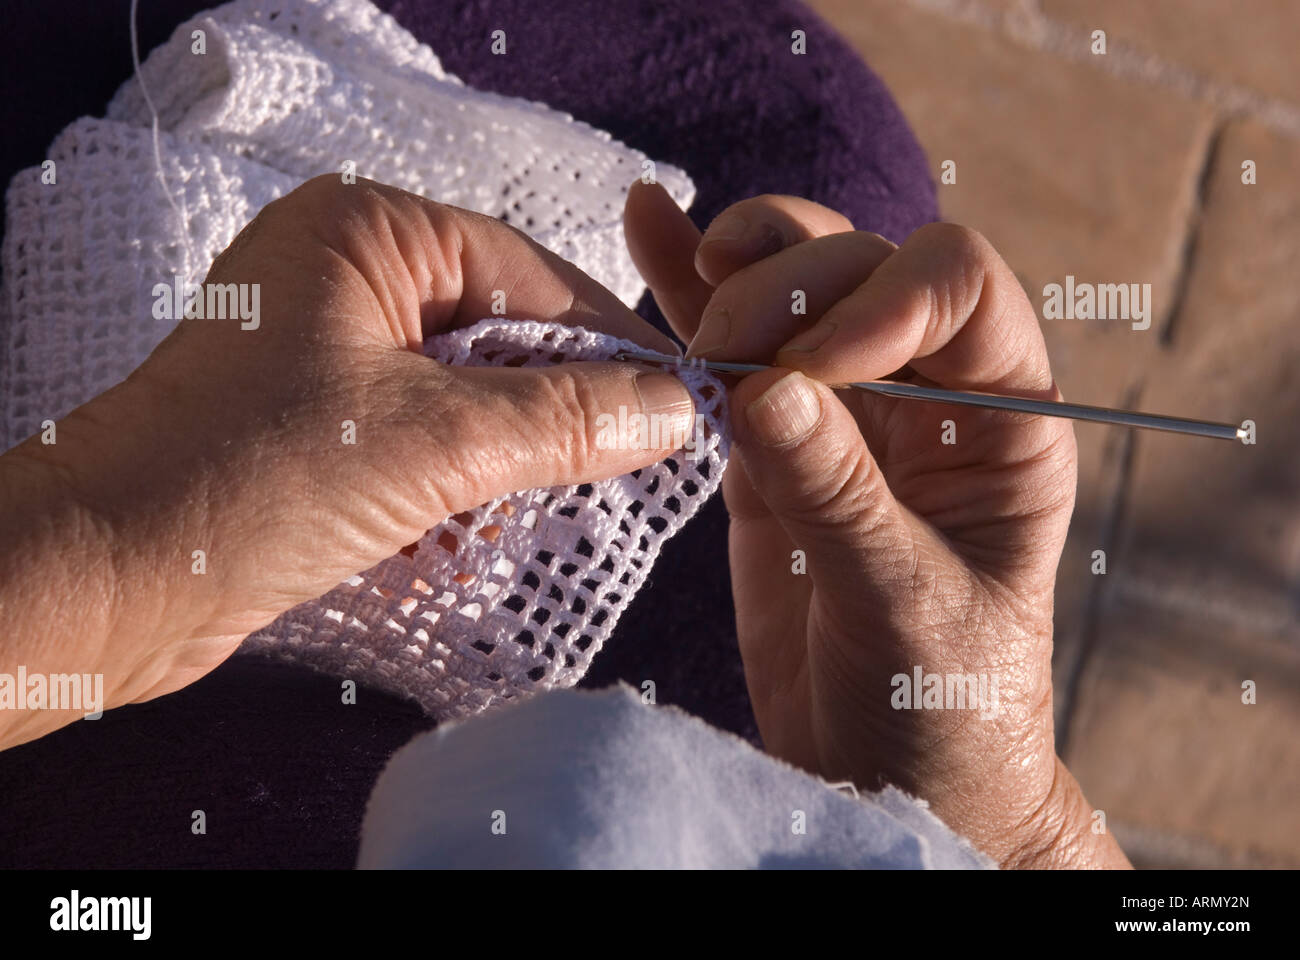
column 1046, row 408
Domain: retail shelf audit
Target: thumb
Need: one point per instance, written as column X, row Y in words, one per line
column 491, row 431
column 810, row 466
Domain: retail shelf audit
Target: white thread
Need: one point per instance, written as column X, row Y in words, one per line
column 157, row 142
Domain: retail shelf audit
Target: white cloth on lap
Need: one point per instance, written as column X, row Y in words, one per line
column 581, row 779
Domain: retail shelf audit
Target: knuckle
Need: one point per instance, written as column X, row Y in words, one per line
column 1052, row 471
column 325, row 192
column 954, row 239
column 871, row 244
column 767, row 201
column 848, row 495
column 322, row 183
column 964, row 258
column 875, row 242
column 854, row 501
column 449, row 431
column 330, row 205
column 574, row 404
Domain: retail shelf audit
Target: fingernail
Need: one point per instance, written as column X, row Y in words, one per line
column 714, row 332
column 664, row 395
column 729, row 226
column 811, row 340
column 786, row 411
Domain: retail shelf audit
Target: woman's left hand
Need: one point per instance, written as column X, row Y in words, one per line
column 230, row 438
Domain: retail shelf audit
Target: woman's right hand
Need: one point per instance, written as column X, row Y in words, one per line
column 864, row 545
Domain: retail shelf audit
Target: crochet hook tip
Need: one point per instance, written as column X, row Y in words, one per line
column 682, row 362
column 652, row 356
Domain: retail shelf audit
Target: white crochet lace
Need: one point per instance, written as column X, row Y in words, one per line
column 288, row 89
column 477, row 615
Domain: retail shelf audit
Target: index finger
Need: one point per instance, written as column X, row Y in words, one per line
column 538, row 284
column 433, row 267
column 944, row 304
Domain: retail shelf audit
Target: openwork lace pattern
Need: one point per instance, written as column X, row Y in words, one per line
column 519, row 594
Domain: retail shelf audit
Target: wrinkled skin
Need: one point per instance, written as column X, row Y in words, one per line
column 230, row 440
column 918, row 552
